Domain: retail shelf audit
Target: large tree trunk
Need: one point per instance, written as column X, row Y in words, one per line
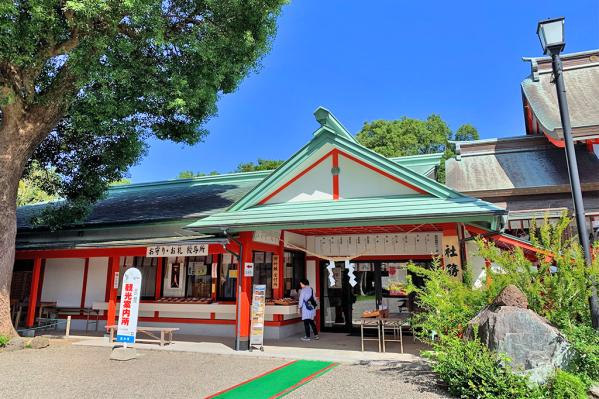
column 19, row 136
column 10, row 173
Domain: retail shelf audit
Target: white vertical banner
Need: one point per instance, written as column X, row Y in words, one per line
column 351, row 267
column 330, row 268
column 129, row 308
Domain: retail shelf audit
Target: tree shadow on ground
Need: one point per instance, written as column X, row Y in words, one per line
column 418, row 373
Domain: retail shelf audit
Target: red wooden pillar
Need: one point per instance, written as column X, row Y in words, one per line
column 113, row 266
column 244, row 299
column 33, row 292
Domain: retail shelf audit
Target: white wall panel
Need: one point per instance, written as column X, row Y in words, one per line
column 63, row 281
column 96, row 281
column 317, row 184
column 357, row 181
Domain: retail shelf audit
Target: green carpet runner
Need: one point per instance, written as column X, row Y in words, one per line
column 278, row 382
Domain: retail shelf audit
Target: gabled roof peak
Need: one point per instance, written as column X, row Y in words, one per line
column 328, row 121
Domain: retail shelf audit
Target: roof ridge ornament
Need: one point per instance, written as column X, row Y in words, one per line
column 327, row 120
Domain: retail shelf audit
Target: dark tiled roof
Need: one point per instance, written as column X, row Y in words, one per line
column 581, row 76
column 161, row 201
column 515, row 163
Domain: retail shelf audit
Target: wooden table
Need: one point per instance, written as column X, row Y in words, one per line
column 43, row 305
column 166, row 334
column 86, row 312
column 393, row 322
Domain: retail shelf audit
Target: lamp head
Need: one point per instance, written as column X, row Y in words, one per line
column 551, row 35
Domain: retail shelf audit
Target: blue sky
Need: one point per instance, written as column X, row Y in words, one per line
column 378, row 59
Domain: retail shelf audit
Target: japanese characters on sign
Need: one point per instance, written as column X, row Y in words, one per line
column 275, row 271
column 428, row 243
column 130, row 295
column 257, row 315
column 177, row 250
column 451, row 256
column 267, row 236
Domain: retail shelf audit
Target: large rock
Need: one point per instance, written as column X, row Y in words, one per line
column 15, row 344
column 511, row 296
column 534, row 346
column 39, row 342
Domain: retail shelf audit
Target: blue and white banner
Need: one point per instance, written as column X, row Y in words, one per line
column 129, row 308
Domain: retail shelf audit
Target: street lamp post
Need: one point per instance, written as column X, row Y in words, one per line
column 551, row 34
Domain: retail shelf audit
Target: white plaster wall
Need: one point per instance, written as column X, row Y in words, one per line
column 357, row 181
column 317, row 184
column 96, row 281
column 63, row 281
column 476, row 264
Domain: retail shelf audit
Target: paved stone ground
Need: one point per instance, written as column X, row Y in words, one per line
column 67, row 371
column 379, row 379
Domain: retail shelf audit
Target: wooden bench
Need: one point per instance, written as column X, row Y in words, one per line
column 166, row 334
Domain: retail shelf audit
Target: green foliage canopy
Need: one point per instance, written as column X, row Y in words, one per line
column 262, row 164
column 37, row 184
column 408, row 136
column 109, row 74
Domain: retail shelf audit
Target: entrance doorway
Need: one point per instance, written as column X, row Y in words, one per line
column 379, row 284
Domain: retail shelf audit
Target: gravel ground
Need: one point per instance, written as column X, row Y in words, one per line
column 66, row 371
column 375, row 380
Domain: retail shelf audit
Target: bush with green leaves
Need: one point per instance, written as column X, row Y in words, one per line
column 585, row 359
column 560, row 296
column 557, row 284
column 446, row 303
column 4, row 340
column 564, row 385
column 471, row 370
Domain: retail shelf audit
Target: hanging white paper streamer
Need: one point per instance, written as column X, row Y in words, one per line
column 331, row 275
column 350, row 272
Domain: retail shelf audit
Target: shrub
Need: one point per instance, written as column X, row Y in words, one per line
column 560, row 296
column 447, row 304
column 585, row 359
column 3, row 340
column 471, row 370
column 564, row 385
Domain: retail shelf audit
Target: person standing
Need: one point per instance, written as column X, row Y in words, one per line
column 307, row 308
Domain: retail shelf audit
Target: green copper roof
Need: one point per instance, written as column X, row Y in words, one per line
column 410, row 209
column 422, row 164
column 439, row 203
column 326, row 136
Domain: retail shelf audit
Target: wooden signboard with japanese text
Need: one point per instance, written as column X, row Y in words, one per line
column 276, row 270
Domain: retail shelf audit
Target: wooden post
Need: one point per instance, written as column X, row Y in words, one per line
column 84, row 284
column 113, row 266
column 68, row 328
column 33, row 292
